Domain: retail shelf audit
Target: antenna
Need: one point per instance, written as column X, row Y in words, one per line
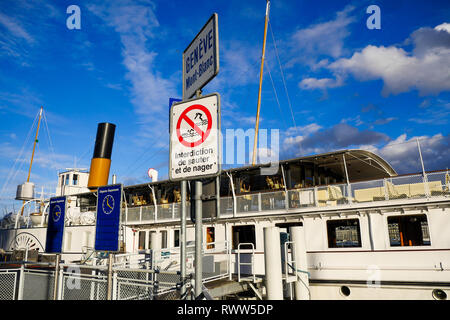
column 421, row 159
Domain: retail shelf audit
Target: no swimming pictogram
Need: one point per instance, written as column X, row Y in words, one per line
column 194, row 130
column 195, row 138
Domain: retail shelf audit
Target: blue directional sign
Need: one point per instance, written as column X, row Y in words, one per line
column 171, row 102
column 108, row 218
column 55, row 228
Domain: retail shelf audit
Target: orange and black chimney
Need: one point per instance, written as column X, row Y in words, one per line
column 101, row 160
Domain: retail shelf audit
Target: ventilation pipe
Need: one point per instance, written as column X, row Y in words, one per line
column 153, row 174
column 101, row 160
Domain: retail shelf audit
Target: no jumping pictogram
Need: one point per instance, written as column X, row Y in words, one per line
column 202, row 134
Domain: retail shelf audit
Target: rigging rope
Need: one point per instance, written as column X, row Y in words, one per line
column 52, row 158
column 276, row 96
column 12, row 174
column 282, row 75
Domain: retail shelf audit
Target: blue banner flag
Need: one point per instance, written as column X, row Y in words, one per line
column 55, row 228
column 108, row 218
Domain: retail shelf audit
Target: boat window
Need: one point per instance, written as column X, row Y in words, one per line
column 67, row 179
column 163, row 239
column 410, row 230
column 309, row 177
column 343, row 233
column 75, row 179
column 294, row 176
column 176, row 238
column 141, row 244
column 244, row 234
column 210, row 237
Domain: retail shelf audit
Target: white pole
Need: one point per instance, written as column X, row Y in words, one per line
column 155, row 246
column 272, row 261
column 425, row 180
column 301, row 263
column 349, row 190
column 420, row 155
column 155, row 239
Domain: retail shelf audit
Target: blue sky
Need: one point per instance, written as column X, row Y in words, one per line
column 347, row 86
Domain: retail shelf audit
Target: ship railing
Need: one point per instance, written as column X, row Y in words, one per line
column 46, row 281
column 153, row 214
column 216, row 259
column 250, row 264
column 416, row 186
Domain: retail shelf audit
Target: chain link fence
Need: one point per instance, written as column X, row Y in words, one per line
column 8, row 281
column 78, row 282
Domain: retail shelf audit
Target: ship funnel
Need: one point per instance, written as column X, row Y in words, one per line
column 101, row 160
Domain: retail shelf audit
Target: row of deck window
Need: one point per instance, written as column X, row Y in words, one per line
column 404, row 230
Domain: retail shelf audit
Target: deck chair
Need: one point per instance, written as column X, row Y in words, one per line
column 393, row 193
column 177, row 195
column 165, row 203
column 335, row 194
column 136, row 200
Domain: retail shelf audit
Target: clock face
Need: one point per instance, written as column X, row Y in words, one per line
column 56, row 213
column 108, row 204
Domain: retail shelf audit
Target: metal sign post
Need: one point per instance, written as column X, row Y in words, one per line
column 194, row 134
column 109, row 204
column 195, row 154
column 183, row 238
column 198, row 238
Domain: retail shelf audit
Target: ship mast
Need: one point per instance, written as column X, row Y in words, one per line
column 34, row 145
column 34, row 148
column 260, row 82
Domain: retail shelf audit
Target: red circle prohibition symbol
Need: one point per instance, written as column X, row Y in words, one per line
column 203, row 135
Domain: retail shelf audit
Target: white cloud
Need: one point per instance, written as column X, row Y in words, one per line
column 136, row 24
column 339, row 136
column 322, row 39
column 15, row 28
column 403, row 153
column 304, row 130
column 427, row 69
column 314, row 83
column 443, row 27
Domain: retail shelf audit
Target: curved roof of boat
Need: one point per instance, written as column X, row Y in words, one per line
column 361, row 164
